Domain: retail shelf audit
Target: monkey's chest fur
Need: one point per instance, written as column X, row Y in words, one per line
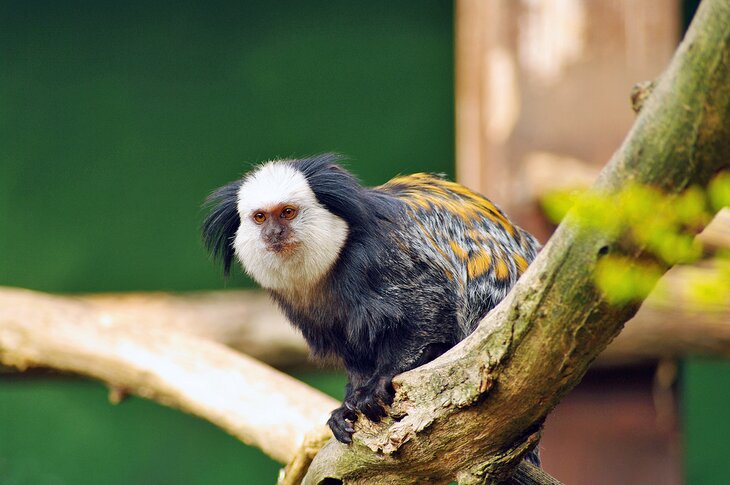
column 379, row 304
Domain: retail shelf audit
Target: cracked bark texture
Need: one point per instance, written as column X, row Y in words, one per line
column 473, row 413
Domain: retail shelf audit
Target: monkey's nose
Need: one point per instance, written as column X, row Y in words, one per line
column 272, row 236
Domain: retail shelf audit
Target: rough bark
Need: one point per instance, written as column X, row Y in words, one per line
column 474, row 412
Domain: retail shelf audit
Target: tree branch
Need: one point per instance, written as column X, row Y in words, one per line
column 474, row 412
column 257, row 404
column 245, row 320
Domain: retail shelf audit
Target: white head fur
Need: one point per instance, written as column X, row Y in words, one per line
column 319, row 235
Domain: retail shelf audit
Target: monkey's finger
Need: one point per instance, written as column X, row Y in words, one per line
column 341, row 430
column 349, row 411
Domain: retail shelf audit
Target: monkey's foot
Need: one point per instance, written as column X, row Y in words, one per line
column 369, row 399
column 340, row 423
column 372, row 398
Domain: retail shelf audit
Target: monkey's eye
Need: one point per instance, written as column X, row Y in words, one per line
column 259, row 217
column 288, row 213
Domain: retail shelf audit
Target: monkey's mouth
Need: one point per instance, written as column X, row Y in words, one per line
column 282, row 248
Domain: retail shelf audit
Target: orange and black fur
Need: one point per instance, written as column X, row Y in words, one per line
column 408, row 269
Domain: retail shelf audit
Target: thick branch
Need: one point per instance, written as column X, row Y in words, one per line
column 472, row 413
column 243, row 320
column 257, row 404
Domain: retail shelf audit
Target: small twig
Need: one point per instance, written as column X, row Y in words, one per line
column 117, row 394
column 528, row 474
column 296, row 469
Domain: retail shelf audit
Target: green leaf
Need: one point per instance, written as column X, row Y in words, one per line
column 623, row 280
column 719, row 190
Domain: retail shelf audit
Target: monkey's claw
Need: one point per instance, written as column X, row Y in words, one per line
column 340, row 423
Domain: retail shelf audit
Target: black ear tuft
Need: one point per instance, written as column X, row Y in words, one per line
column 220, row 227
column 335, row 188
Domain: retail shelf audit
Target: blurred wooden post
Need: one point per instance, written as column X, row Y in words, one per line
column 542, row 86
column 542, row 101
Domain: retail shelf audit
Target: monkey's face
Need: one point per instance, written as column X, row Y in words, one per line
column 277, row 227
column 286, row 238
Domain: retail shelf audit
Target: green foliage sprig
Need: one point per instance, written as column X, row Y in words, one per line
column 662, row 224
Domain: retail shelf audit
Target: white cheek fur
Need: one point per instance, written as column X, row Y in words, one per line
column 320, row 234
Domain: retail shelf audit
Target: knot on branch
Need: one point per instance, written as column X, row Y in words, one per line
column 640, row 92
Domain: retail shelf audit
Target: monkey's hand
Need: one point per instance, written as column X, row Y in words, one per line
column 340, row 423
column 369, row 399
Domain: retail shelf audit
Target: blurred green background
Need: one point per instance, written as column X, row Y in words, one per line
column 117, row 119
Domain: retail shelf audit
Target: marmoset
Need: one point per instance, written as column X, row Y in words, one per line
column 384, row 278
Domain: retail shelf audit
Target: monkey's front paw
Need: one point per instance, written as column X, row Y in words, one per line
column 340, row 423
column 372, row 398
